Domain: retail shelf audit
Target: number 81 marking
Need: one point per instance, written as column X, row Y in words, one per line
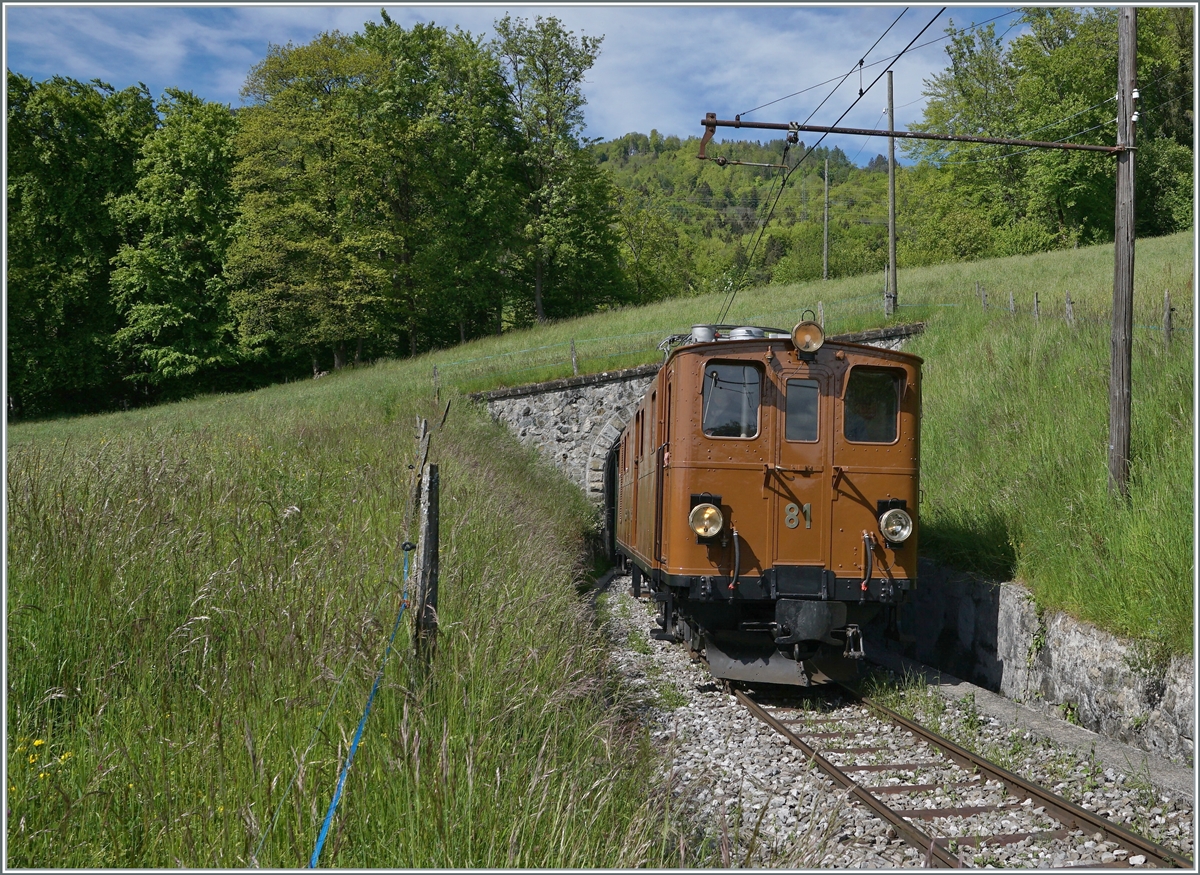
column 791, row 516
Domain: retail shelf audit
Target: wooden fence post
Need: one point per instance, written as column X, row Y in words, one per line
column 1012, row 305
column 425, row 612
column 1167, row 326
column 437, row 389
column 417, row 469
column 821, row 315
column 574, row 360
column 1070, row 311
column 1035, row 306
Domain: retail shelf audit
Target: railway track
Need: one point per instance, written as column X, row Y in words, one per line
column 950, row 804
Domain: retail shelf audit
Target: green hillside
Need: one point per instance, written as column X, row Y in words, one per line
column 188, row 583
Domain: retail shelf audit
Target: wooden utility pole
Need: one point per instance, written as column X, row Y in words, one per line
column 825, row 250
column 1122, row 311
column 889, row 304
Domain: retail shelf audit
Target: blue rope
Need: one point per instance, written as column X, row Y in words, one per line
column 337, row 795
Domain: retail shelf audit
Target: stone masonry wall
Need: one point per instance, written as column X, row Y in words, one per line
column 992, row 634
column 985, row 632
column 575, row 422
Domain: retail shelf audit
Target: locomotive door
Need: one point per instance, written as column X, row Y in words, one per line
column 799, row 481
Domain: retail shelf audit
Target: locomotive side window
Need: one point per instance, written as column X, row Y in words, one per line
column 802, row 400
column 731, row 398
column 871, row 405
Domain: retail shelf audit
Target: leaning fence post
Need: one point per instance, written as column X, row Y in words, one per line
column 1167, row 326
column 1070, row 312
column 427, row 567
column 574, row 360
column 418, row 469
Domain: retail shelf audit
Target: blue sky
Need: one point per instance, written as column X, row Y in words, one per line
column 660, row 66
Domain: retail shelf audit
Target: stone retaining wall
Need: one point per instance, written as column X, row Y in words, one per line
column 992, row 634
column 575, row 422
column 985, row 632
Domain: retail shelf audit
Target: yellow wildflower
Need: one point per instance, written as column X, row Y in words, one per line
column 32, row 758
column 42, row 775
column 37, row 742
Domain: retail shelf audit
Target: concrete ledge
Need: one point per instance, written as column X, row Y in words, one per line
column 1178, row 780
column 568, row 383
column 892, row 332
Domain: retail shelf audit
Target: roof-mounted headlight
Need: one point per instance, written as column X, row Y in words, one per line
column 706, row 520
column 808, row 337
column 896, row 525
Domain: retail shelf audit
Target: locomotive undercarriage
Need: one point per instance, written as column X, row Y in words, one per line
column 757, row 634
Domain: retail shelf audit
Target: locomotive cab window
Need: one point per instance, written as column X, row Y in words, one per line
column 872, row 403
column 803, row 398
column 731, row 399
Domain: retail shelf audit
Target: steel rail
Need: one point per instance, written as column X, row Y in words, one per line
column 711, row 123
column 1066, row 812
column 914, row 837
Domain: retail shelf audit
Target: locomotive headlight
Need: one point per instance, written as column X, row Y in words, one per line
column 706, row 520
column 808, row 337
column 896, row 525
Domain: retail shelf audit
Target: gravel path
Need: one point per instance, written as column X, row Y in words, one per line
column 756, row 802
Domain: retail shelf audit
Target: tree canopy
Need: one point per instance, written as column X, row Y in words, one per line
column 395, row 190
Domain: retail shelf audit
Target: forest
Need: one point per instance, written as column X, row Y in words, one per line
column 392, row 191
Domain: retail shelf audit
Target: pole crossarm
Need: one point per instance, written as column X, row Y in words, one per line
column 711, row 123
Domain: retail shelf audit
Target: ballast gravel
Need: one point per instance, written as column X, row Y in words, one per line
column 752, row 800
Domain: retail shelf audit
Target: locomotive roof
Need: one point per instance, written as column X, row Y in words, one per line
column 680, row 342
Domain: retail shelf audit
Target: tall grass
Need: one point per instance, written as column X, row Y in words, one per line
column 1015, row 431
column 187, row 586
column 1014, row 452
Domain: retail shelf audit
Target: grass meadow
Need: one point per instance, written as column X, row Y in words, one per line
column 187, row 587
column 1014, row 469
column 191, row 587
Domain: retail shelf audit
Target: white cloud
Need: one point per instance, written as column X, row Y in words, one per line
column 660, row 66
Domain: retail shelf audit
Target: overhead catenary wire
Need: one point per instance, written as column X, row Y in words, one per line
column 809, row 151
column 857, row 66
column 972, row 147
column 1102, row 124
column 868, row 139
column 788, row 140
column 875, row 64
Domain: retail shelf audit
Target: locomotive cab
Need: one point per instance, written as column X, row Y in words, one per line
column 767, row 493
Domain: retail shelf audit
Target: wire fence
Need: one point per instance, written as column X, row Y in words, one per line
column 591, row 355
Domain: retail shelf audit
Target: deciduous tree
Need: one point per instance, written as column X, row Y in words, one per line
column 71, row 149
column 567, row 206
column 308, row 262
column 168, row 284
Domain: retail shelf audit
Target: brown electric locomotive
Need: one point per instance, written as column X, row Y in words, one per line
column 767, row 491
